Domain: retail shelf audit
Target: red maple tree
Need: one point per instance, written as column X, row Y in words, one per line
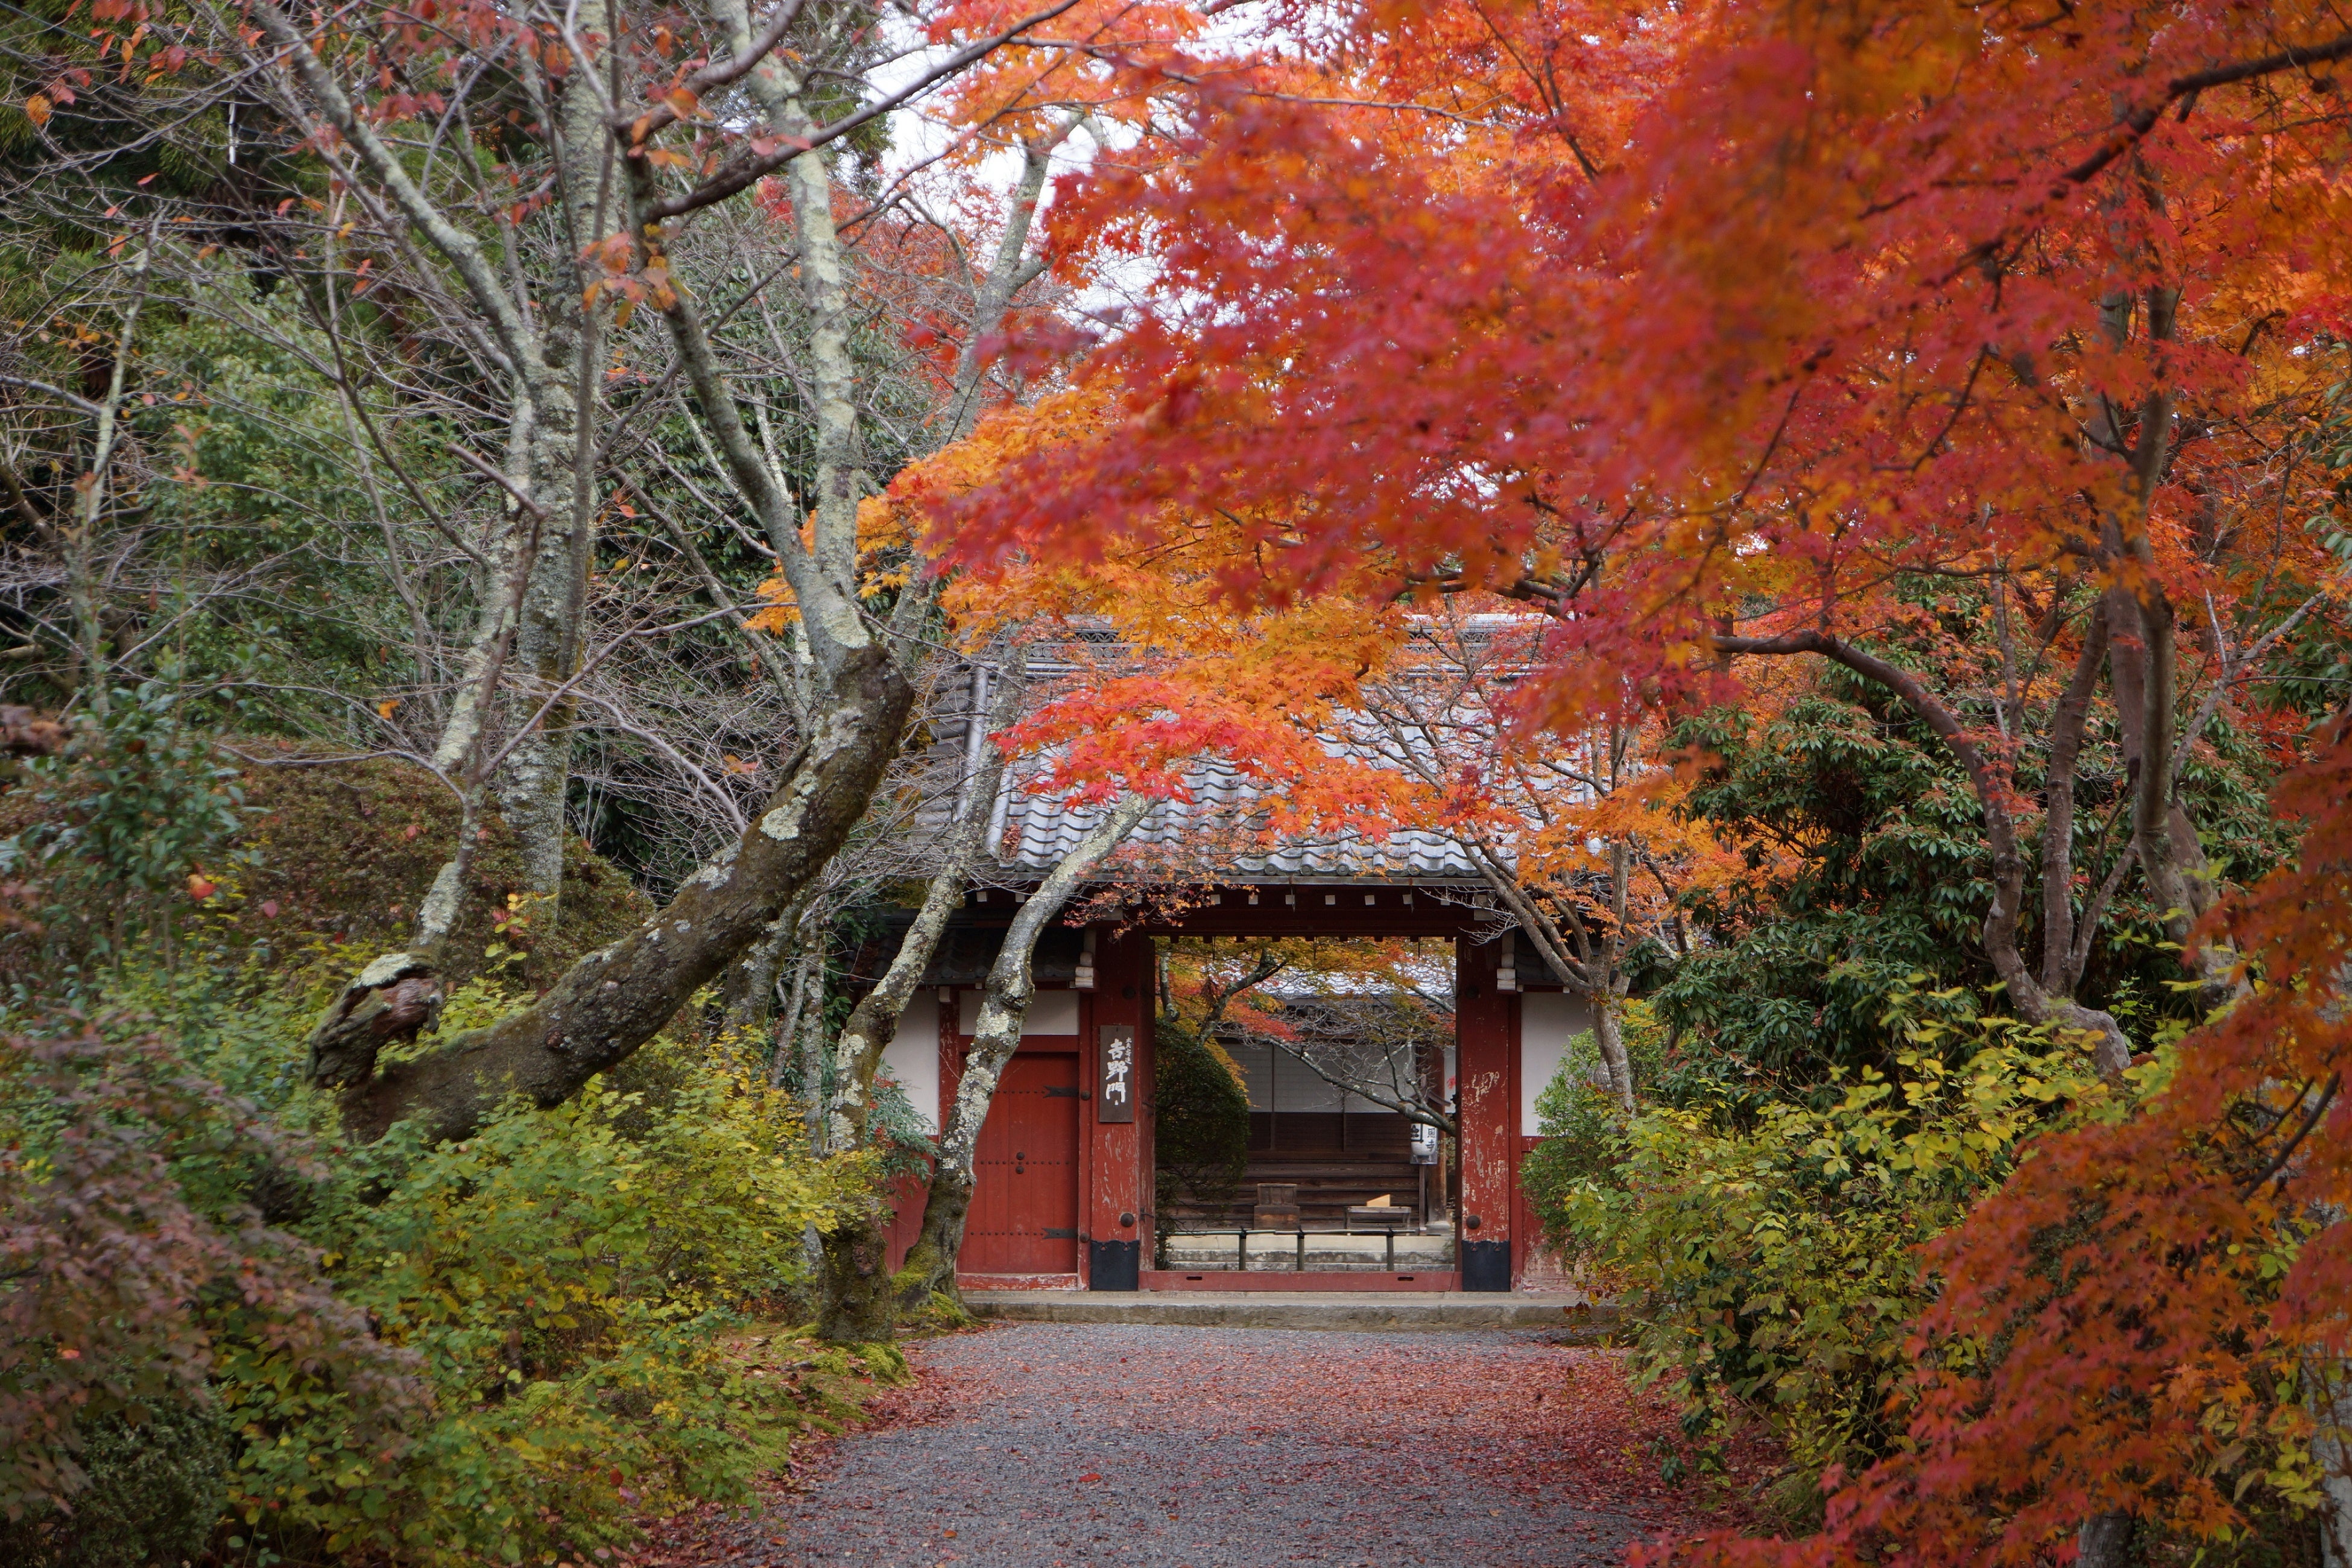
column 1709, row 332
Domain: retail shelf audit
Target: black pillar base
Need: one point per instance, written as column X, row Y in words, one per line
column 1114, row 1266
column 1486, row 1266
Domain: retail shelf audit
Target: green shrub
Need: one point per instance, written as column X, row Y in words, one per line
column 1582, row 1129
column 1767, row 1262
column 566, row 1278
column 157, row 1489
column 481, row 1351
column 1202, row 1111
column 114, row 831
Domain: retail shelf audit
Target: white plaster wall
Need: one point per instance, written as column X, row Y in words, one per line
column 912, row 1056
column 1286, row 1084
column 1253, row 1061
column 1282, row 1084
column 1050, row 1013
column 1548, row 1020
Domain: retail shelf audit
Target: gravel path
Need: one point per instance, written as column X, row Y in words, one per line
column 1052, row 1446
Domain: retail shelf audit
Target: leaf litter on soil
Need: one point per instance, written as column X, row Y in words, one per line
column 1524, row 1419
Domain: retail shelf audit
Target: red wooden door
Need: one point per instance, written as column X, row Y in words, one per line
column 1025, row 1200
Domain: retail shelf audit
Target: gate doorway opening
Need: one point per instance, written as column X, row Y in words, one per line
column 1484, row 1037
column 1304, row 1100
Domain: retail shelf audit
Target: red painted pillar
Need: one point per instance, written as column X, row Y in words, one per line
column 1487, row 1073
column 1117, row 1218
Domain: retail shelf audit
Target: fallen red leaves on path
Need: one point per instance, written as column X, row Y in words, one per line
column 1546, row 1447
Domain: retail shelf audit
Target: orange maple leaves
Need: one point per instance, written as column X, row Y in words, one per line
column 1744, row 314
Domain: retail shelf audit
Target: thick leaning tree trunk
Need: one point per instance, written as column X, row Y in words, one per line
column 616, row 998
column 1004, row 1008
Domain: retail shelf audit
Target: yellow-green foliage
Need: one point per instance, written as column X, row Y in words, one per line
column 1771, row 1268
column 566, row 1277
column 510, row 1349
column 569, row 1288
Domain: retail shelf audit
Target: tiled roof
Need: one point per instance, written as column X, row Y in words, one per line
column 1212, row 835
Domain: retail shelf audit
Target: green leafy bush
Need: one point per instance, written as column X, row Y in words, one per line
column 157, row 1489
column 565, row 1276
column 1869, row 872
column 1584, row 1130
column 1203, row 1126
column 1767, row 1260
column 477, row 1351
column 120, row 823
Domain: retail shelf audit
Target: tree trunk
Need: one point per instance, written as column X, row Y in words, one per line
column 2331, row 1381
column 788, row 1062
column 2104, row 1541
column 616, row 998
column 2059, row 970
column 549, row 636
column 748, row 996
column 1004, row 1006
column 549, row 493
column 858, row 1302
column 1611, row 1038
column 81, row 535
column 858, row 696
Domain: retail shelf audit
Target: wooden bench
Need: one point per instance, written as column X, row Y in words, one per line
column 1377, row 1216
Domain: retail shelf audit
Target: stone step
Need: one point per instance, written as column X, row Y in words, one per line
column 1353, row 1310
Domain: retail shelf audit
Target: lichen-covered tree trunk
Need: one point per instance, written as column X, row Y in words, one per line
column 748, row 995
column 531, row 594
column 1004, row 1008
column 1609, row 1037
column 549, row 634
column 616, row 998
column 858, row 1300
column 858, row 1303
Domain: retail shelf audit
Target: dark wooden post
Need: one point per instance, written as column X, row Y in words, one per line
column 1487, row 1071
column 1117, row 1214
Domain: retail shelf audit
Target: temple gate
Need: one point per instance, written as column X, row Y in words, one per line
column 1065, row 1182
